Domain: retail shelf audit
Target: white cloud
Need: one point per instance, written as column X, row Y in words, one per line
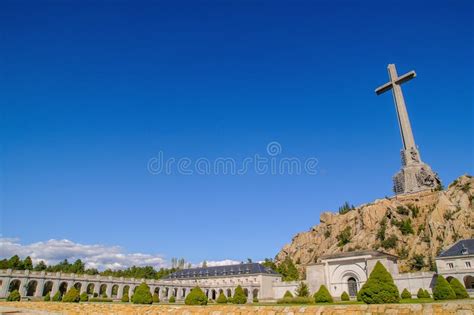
column 94, row 256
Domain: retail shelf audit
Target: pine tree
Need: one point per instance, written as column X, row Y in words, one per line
column 442, row 290
column 28, row 263
column 379, row 288
column 302, row 290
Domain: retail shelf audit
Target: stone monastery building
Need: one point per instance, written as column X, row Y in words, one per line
column 338, row 272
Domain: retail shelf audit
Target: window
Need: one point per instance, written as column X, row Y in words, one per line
column 450, row 265
column 468, row 264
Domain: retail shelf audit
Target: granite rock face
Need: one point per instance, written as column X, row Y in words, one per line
column 437, row 220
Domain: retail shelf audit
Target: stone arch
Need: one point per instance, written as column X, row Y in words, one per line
column 31, row 288
column 126, row 290
column 469, row 282
column 157, row 291
column 47, row 288
column 183, row 292
column 114, row 291
column 102, row 289
column 246, row 292
column 63, row 288
column 14, row 285
column 255, row 293
column 229, row 293
column 449, row 278
column 90, row 288
column 213, row 294
column 78, row 286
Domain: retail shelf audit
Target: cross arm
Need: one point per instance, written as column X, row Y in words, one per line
column 406, row 77
column 384, row 88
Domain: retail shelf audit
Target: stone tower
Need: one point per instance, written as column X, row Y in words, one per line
column 415, row 175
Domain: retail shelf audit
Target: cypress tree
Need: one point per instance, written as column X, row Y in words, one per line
column 196, row 297
column 221, row 299
column 379, row 288
column 302, row 290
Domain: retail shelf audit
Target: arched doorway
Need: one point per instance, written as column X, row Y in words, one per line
column 14, row 285
column 78, row 286
column 63, row 288
column 229, row 293
column 48, row 287
column 352, row 286
column 103, row 290
column 31, row 288
column 469, row 282
column 449, row 279
column 125, row 290
column 255, row 293
column 90, row 288
column 114, row 292
column 246, row 291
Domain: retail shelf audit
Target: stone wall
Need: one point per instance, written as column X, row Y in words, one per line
column 461, row 307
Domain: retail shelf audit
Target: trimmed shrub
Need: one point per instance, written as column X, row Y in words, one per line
column 95, row 294
column 14, row 296
column 156, row 298
column 345, row 296
column 239, row 296
column 221, row 299
column 442, row 290
column 172, row 299
column 71, row 296
column 125, row 298
column 142, row 295
column 196, row 297
column 47, row 297
column 295, row 300
column 57, row 297
column 84, row 297
column 458, row 289
column 288, row 295
column 302, row 290
column 406, row 294
column 323, row 295
column 379, row 288
column 255, row 300
column 104, row 295
column 427, row 294
column 421, row 294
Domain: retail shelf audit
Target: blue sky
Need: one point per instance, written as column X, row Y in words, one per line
column 92, row 91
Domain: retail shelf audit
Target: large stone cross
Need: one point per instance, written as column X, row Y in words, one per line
column 403, row 120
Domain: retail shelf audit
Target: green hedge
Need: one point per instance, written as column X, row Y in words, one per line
column 99, row 299
column 125, row 298
column 14, row 296
column 156, row 298
column 295, row 300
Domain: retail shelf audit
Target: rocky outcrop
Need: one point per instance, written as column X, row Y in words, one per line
column 422, row 223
